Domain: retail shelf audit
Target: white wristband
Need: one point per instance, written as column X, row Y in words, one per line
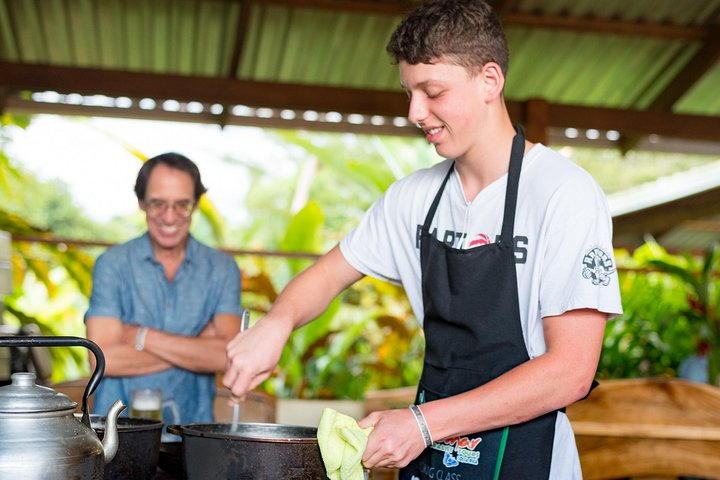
column 424, row 430
column 140, row 339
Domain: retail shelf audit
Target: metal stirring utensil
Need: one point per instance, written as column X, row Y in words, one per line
column 244, row 322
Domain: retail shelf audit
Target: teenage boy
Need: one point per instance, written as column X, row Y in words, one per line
column 504, row 250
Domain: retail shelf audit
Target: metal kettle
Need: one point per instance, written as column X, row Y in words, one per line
column 40, row 436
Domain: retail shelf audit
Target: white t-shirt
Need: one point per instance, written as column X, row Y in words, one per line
column 562, row 236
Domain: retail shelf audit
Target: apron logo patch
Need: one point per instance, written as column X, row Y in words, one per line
column 598, row 266
column 459, row 450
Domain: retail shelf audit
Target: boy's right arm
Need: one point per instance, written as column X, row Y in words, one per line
column 253, row 354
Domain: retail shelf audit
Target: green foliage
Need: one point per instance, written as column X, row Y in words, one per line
column 303, row 235
column 52, row 281
column 699, row 277
column 344, row 174
column 616, row 171
column 669, row 303
column 21, row 121
column 47, row 206
column 366, row 339
column 55, row 314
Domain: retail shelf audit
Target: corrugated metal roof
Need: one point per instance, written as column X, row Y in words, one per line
column 642, row 67
column 612, row 54
column 303, row 45
column 607, row 68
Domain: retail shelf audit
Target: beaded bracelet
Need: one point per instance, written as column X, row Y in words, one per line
column 420, row 419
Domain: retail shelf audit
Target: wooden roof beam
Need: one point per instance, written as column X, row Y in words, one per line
column 512, row 18
column 607, row 26
column 659, row 219
column 637, row 122
column 243, row 21
column 386, row 7
column 225, row 91
column 705, row 59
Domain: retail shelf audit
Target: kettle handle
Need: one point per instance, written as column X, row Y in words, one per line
column 42, row 341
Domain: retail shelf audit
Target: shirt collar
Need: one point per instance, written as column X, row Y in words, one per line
column 147, row 251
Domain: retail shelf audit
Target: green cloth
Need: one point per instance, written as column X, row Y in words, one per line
column 342, row 444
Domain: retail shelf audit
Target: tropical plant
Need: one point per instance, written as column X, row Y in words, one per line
column 700, row 282
column 665, row 298
column 616, row 170
column 366, row 339
column 52, row 280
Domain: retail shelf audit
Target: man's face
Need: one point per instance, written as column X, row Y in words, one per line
column 169, row 194
column 447, row 103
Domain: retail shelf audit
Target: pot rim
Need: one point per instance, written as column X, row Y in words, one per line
column 124, row 424
column 222, row 431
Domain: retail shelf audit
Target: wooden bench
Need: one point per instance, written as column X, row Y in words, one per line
column 632, row 428
column 648, row 427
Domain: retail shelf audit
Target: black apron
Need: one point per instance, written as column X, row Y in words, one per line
column 473, row 334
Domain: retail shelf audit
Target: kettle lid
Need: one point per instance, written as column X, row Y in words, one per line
column 24, row 396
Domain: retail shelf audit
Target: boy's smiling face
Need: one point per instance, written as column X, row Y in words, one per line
column 448, row 103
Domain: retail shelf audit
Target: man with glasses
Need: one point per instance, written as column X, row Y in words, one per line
column 164, row 306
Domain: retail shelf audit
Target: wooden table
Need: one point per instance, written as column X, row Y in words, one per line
column 648, row 427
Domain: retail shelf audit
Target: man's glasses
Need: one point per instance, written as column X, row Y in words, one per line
column 156, row 208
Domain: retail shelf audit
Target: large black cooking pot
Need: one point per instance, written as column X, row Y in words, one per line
column 254, row 451
column 138, row 450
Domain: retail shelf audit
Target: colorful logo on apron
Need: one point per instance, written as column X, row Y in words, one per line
column 459, row 450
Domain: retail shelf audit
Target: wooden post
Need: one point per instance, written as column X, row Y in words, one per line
column 536, row 120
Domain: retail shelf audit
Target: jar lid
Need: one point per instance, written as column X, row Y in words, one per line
column 24, row 396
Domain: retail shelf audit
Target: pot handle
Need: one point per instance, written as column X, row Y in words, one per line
column 175, row 429
column 42, row 341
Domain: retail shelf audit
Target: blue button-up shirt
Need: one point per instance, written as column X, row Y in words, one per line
column 129, row 284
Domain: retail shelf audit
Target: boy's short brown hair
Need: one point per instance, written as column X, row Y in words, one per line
column 463, row 32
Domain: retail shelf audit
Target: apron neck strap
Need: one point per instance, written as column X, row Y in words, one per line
column 511, row 192
column 436, row 201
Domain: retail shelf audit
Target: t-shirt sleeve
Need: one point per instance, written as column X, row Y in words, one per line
column 367, row 246
column 578, row 268
column 229, row 301
column 105, row 295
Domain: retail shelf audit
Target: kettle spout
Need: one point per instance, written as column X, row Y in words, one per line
column 110, row 440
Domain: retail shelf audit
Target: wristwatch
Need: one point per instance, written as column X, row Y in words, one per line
column 140, row 339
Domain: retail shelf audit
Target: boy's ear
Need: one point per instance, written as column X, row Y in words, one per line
column 493, row 80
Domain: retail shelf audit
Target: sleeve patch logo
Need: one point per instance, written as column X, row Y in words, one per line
column 598, row 266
